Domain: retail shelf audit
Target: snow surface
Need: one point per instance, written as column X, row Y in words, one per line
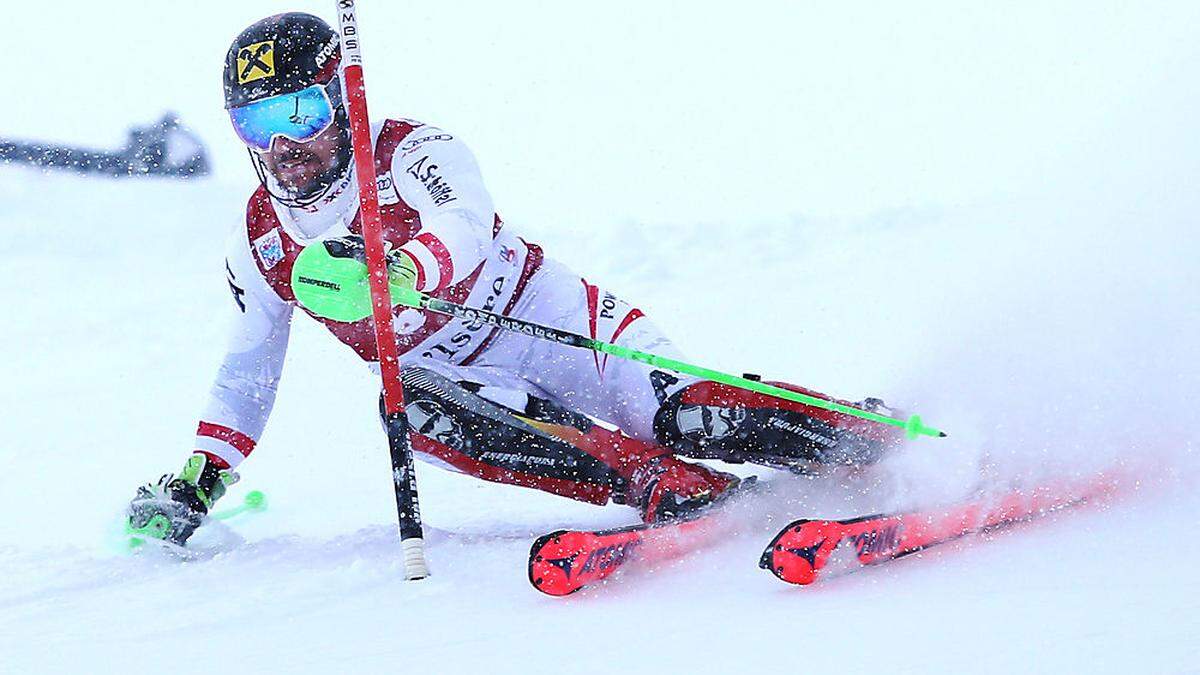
column 984, row 214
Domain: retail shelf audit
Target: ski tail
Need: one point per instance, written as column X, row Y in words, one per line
column 801, row 551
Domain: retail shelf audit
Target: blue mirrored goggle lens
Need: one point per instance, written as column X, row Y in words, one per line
column 300, row 116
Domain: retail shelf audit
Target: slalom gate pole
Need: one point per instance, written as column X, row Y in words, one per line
column 913, row 426
column 412, row 540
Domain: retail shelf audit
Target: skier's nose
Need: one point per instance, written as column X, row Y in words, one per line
column 284, row 146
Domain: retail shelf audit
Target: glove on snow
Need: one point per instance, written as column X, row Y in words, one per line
column 173, row 508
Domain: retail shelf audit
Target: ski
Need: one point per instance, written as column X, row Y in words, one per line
column 806, row 548
column 565, row 561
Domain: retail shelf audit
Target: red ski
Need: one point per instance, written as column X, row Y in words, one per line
column 565, row 561
column 806, row 547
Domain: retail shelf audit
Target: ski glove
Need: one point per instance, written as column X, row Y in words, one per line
column 402, row 268
column 330, row 278
column 173, row 508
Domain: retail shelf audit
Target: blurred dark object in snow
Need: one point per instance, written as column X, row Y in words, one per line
column 162, row 149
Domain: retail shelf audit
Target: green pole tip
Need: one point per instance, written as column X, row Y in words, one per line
column 912, row 428
column 255, row 500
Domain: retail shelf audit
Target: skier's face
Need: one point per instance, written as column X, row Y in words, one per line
column 299, row 167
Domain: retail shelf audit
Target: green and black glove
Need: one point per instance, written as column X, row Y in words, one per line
column 174, row 507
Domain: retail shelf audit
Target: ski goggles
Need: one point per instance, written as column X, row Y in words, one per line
column 300, row 116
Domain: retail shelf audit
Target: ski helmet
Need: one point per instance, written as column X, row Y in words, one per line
column 281, row 79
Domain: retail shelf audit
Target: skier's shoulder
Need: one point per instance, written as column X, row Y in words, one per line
column 403, row 136
column 260, row 214
column 258, row 230
column 239, row 261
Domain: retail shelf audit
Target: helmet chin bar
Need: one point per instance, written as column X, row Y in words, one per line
column 324, row 182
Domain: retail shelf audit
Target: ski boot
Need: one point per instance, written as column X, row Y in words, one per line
column 668, row 488
column 171, row 510
column 708, row 420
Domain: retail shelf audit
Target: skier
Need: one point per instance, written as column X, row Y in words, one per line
column 497, row 405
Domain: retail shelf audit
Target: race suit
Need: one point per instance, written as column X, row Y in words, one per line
column 434, row 206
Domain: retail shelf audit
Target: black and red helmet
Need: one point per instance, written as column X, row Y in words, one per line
column 280, row 54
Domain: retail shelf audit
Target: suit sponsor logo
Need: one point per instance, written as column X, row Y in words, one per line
column 409, row 146
column 334, row 192
column 469, row 327
column 269, row 248
column 385, row 185
column 426, row 171
column 256, row 61
column 474, row 316
column 607, row 304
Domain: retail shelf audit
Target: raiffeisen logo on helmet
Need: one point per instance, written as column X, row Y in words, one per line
column 256, row 61
column 326, row 51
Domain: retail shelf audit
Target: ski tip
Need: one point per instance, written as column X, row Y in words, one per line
column 797, row 554
column 548, row 574
column 942, row 434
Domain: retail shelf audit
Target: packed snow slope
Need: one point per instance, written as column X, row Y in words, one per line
column 987, row 215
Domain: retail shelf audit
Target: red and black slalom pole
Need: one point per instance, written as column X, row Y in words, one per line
column 411, row 536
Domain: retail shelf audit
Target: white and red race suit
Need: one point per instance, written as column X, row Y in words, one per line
column 434, row 206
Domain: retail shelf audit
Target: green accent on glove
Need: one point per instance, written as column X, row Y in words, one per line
column 192, row 468
column 408, row 297
column 157, row 527
column 402, row 271
column 337, row 288
column 210, row 490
